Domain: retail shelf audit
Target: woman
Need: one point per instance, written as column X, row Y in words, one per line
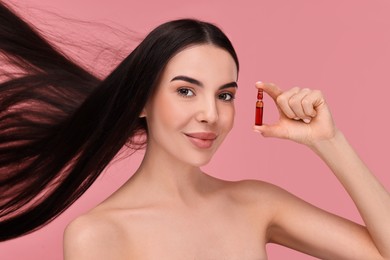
column 178, row 88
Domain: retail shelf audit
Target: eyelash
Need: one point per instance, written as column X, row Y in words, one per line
column 185, row 91
column 231, row 96
column 181, row 91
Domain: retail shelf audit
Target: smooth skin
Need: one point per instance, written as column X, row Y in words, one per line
column 170, row 209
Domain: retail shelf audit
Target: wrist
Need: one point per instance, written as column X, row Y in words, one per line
column 327, row 143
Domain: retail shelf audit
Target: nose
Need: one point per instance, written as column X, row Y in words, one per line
column 208, row 111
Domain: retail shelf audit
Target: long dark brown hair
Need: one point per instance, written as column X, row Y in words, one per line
column 60, row 125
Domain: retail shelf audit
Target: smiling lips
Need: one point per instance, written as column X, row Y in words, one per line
column 202, row 140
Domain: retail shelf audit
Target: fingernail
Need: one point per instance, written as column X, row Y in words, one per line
column 307, row 120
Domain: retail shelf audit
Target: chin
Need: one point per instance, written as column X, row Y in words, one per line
column 199, row 161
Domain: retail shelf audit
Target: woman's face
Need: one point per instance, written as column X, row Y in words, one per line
column 192, row 109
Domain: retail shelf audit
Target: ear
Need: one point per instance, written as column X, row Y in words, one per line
column 143, row 113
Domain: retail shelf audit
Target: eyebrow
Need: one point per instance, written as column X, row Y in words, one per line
column 200, row 84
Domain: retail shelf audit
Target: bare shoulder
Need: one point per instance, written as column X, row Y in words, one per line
column 261, row 199
column 255, row 191
column 266, row 196
column 92, row 236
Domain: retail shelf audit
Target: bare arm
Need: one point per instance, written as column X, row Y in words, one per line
column 311, row 230
column 370, row 197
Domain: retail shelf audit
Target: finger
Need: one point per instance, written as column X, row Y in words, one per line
column 311, row 102
column 308, row 108
column 296, row 104
column 283, row 102
column 271, row 89
column 271, row 131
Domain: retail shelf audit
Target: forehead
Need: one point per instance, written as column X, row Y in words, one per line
column 203, row 62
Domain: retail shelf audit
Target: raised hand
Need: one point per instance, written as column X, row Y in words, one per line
column 304, row 116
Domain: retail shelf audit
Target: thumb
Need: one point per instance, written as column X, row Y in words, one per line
column 271, row 131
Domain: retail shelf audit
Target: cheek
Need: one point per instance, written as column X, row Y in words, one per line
column 227, row 118
column 166, row 112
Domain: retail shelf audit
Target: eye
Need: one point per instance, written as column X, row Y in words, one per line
column 185, row 92
column 226, row 96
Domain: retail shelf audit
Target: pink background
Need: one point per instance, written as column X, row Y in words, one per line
column 341, row 47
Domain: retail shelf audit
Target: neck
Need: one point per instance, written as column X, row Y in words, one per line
column 164, row 176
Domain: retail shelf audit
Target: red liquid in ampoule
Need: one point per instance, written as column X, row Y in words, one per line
column 259, row 115
column 259, row 108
